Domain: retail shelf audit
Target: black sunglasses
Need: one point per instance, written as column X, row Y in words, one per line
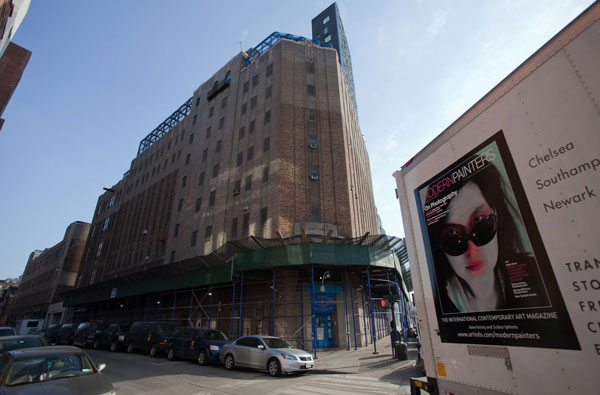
column 483, row 232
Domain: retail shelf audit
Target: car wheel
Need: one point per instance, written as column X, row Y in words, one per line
column 113, row 346
column 129, row 348
column 153, row 351
column 171, row 354
column 202, row 358
column 274, row 367
column 96, row 345
column 229, row 362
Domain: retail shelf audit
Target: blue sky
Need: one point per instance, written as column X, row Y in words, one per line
column 104, row 74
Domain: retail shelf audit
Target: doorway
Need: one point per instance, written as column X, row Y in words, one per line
column 324, row 330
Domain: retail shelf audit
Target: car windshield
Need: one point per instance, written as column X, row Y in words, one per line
column 15, row 344
column 7, row 332
column 215, row 335
column 276, row 343
column 37, row 369
column 124, row 328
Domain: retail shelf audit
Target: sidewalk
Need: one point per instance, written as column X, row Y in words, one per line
column 363, row 360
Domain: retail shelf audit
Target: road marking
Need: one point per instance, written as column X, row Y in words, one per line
column 336, row 384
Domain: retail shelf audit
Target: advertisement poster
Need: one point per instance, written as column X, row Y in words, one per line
column 490, row 273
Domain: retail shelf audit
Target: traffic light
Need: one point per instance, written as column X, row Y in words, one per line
column 383, row 303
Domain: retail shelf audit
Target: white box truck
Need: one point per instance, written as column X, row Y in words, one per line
column 501, row 214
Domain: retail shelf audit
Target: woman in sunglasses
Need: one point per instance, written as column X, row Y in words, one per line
column 475, row 244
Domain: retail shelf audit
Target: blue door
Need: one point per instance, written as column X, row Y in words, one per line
column 324, row 330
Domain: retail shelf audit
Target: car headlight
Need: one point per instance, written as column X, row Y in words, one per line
column 214, row 348
column 288, row 356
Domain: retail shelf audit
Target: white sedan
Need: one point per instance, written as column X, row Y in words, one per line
column 265, row 352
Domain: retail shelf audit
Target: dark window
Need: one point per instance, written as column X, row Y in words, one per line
column 180, row 205
column 310, row 67
column 269, row 92
column 187, row 159
column 215, row 170
column 267, row 117
column 240, row 159
column 228, row 76
column 315, row 214
column 172, row 256
column 198, row 204
column 263, row 216
column 204, row 155
column 212, row 197
column 224, row 102
column 248, row 182
column 194, row 119
column 255, row 80
column 201, row 179
column 312, row 114
column 253, row 102
column 312, row 142
column 178, row 154
column 250, row 154
column 176, row 232
column 269, row 69
column 197, row 101
column 237, row 187
column 221, row 123
column 313, row 172
column 244, row 108
column 252, row 126
column 211, row 111
column 266, row 144
column 234, row 226
column 246, row 86
column 246, row 223
column 208, row 232
column 242, row 132
column 310, row 90
column 218, row 147
column 183, row 181
column 208, row 130
column 191, row 138
column 265, row 177
column 194, row 237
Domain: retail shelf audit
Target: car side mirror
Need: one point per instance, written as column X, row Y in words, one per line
column 101, row 367
column 261, row 347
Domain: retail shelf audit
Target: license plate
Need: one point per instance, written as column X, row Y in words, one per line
column 308, row 366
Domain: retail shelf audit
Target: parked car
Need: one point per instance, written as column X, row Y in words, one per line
column 203, row 345
column 52, row 333
column 112, row 337
column 265, row 352
column 66, row 334
column 9, row 343
column 149, row 336
column 85, row 335
column 40, row 332
column 7, row 331
column 52, row 370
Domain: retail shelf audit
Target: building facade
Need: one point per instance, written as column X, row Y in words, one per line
column 8, row 291
column 47, row 274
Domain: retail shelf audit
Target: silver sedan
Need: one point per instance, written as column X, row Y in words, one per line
column 265, row 352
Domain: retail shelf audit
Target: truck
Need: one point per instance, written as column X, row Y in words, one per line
column 28, row 325
column 501, row 213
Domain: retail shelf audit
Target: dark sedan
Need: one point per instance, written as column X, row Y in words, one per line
column 9, row 343
column 112, row 337
column 51, row 370
column 200, row 344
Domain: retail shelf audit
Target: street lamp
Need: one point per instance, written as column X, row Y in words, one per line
column 325, row 275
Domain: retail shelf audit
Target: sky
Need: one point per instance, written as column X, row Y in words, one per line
column 104, row 74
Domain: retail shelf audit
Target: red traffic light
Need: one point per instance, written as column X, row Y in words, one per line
column 382, row 302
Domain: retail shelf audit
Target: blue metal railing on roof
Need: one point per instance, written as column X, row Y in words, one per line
column 268, row 43
column 165, row 126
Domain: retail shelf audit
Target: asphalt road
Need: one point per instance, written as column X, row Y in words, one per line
column 140, row 374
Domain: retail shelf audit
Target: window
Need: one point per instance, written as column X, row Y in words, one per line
column 328, row 38
column 246, row 223
column 180, row 205
column 263, row 216
column 244, row 108
column 178, row 154
column 183, row 181
column 312, row 142
column 172, row 256
column 269, row 69
column 250, row 154
column 237, row 187
column 208, row 234
column 221, row 123
column 266, row 144
column 224, row 102
column 265, row 176
column 201, row 179
column 234, row 226
column 191, row 138
column 310, row 90
column 212, row 197
column 198, row 204
column 204, row 154
column 248, row 182
column 269, row 92
column 267, row 117
column 315, row 214
column 325, row 30
column 312, row 114
column 194, row 119
column 252, row 127
column 242, row 132
column 194, row 237
column 246, row 86
column 106, row 221
column 218, row 147
column 313, row 172
column 228, row 76
column 240, row 159
column 99, row 250
column 211, row 111
column 208, row 130
column 197, row 101
column 176, row 232
column 253, row 103
column 215, row 170
column 326, row 19
column 255, row 80
column 187, row 159
column 111, row 202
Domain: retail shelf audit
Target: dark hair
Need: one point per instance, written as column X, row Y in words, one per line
column 494, row 191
